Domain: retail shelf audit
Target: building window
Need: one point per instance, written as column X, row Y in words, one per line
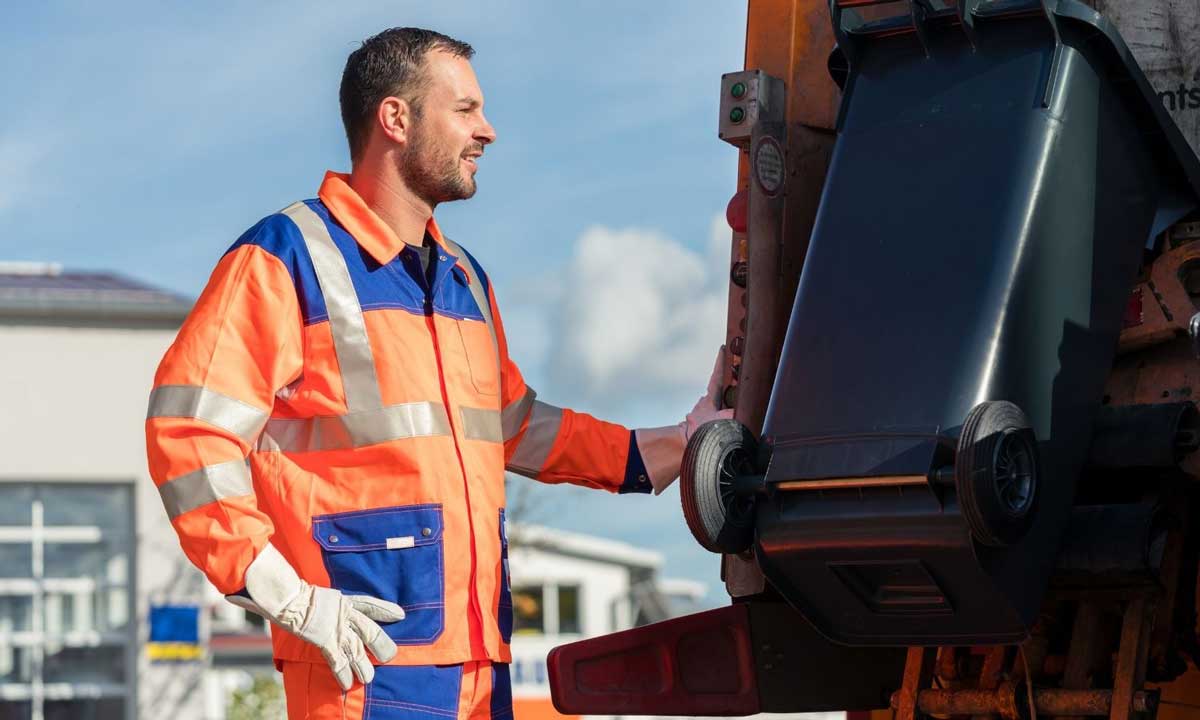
column 66, row 603
column 529, row 617
column 546, row 609
column 568, row 610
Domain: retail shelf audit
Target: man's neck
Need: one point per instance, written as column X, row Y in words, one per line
column 387, row 195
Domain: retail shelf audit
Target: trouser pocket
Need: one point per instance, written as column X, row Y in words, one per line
column 504, row 612
column 393, row 554
column 416, row 692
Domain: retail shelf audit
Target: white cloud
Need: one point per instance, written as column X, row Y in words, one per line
column 639, row 321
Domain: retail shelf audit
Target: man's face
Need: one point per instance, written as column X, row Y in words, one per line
column 448, row 134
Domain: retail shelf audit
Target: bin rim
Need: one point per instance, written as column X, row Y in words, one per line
column 1182, row 153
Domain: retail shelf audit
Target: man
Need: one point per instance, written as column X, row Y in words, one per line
column 330, row 429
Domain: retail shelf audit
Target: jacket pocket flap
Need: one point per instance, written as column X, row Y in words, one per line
column 394, row 528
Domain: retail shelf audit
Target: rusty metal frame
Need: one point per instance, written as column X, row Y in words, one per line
column 790, row 40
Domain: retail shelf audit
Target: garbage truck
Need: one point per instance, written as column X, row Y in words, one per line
column 963, row 337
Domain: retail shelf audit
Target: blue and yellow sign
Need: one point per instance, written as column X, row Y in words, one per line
column 174, row 634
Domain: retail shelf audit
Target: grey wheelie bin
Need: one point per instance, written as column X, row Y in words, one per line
column 1000, row 170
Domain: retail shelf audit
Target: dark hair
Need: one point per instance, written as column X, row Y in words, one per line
column 390, row 64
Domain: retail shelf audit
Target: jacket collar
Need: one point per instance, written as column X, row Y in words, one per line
column 367, row 228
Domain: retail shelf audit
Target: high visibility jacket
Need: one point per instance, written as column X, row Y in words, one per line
column 321, row 398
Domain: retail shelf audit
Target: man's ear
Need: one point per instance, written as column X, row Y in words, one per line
column 394, row 118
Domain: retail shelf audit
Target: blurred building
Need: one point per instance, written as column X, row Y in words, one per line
column 101, row 616
column 567, row 586
column 85, row 547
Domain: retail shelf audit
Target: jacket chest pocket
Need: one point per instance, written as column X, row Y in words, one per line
column 481, row 355
column 393, row 554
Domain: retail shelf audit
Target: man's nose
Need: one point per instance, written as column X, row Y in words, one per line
column 486, row 134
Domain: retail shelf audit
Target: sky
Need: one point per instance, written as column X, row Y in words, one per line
column 144, row 137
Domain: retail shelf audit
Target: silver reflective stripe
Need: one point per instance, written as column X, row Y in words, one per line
column 342, row 432
column 346, row 322
column 204, row 486
column 481, row 424
column 516, row 412
column 530, row 455
column 200, row 403
column 476, row 287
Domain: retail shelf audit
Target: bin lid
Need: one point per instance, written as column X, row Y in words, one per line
column 1079, row 21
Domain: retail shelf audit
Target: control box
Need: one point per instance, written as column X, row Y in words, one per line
column 746, row 97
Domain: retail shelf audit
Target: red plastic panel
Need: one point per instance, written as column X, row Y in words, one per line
column 700, row 664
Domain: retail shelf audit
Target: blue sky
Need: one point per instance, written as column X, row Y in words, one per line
column 143, row 137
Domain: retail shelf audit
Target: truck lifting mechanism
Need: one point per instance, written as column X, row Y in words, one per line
column 964, row 285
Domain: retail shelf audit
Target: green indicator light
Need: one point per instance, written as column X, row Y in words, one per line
column 738, row 90
column 737, row 115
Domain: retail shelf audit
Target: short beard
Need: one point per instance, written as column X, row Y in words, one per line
column 434, row 175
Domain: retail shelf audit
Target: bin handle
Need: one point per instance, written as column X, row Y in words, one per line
column 919, row 10
column 866, row 3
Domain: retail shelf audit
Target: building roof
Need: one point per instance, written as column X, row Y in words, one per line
column 33, row 292
column 583, row 546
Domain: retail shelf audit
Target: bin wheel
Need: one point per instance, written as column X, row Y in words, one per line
column 718, row 452
column 996, row 473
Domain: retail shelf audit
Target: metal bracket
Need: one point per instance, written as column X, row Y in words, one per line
column 844, row 23
column 919, row 11
column 966, row 18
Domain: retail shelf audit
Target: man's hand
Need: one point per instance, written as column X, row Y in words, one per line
column 343, row 627
column 662, row 448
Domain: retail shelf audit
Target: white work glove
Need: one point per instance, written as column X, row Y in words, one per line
column 343, row 627
column 662, row 448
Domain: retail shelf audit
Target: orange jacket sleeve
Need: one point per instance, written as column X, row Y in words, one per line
column 212, row 395
column 557, row 445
